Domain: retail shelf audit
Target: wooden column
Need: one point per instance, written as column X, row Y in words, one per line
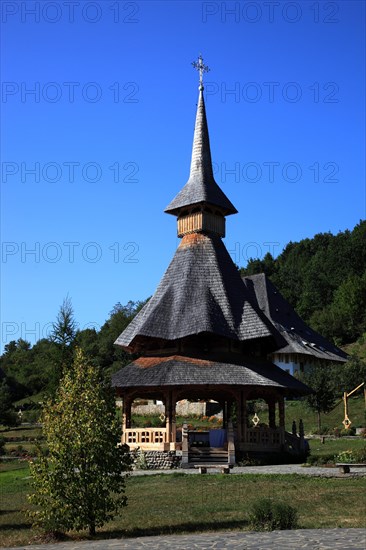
column 281, row 410
column 168, row 415
column 239, row 415
column 174, row 421
column 126, row 415
column 271, row 412
column 230, row 443
column 170, row 421
column 242, row 415
column 185, row 448
column 224, row 414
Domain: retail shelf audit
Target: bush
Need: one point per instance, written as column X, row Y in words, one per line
column 350, row 431
column 360, row 454
column 316, row 460
column 356, row 455
column 267, row 516
column 31, row 416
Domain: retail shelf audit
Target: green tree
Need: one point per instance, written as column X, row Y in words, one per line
column 320, row 379
column 349, row 375
column 110, row 356
column 7, row 413
column 63, row 335
column 64, row 329
column 16, row 363
column 80, row 482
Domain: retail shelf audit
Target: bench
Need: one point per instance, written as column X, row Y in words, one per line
column 224, row 468
column 345, row 467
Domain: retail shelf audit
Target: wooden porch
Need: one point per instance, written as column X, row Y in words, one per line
column 258, row 439
column 236, row 437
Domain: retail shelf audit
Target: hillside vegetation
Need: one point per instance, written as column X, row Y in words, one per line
column 323, row 278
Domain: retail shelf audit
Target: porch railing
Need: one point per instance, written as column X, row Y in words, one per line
column 136, row 437
column 264, row 437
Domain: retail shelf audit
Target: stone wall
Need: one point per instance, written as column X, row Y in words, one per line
column 184, row 408
column 156, row 460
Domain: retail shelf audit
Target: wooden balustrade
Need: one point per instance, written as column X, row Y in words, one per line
column 262, row 438
column 146, row 438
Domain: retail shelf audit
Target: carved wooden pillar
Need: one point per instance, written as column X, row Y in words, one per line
column 168, row 415
column 271, row 412
column 170, row 419
column 239, row 415
column 245, row 416
column 185, row 447
column 281, row 411
column 126, row 415
column 294, row 428
column 281, row 414
column 302, row 434
column 224, row 414
column 174, row 421
column 230, row 444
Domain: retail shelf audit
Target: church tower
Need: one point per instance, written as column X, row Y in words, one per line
column 201, row 304
column 202, row 335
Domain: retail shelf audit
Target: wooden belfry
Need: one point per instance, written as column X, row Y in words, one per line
column 201, row 335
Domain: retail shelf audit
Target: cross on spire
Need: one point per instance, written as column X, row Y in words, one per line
column 201, row 68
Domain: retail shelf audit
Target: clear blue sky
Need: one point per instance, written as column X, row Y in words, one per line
column 108, row 130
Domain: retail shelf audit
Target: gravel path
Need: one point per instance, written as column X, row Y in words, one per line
column 309, row 539
column 274, row 469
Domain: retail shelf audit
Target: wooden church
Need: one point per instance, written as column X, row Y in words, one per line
column 206, row 335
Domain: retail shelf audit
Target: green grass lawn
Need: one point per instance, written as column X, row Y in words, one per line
column 179, row 503
column 326, row 453
column 298, row 409
column 21, row 433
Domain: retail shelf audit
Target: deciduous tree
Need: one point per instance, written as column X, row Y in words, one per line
column 320, row 379
column 79, row 483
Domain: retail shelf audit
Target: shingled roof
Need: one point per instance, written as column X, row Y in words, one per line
column 201, row 188
column 188, row 371
column 300, row 338
column 201, row 291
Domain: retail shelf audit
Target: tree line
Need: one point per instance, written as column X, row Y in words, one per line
column 323, row 278
column 26, row 370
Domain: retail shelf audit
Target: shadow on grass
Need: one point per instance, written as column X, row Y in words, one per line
column 175, row 529
column 14, row 526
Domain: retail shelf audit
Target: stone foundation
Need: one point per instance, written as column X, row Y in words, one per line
column 156, row 460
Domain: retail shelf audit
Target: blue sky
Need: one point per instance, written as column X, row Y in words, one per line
column 98, row 108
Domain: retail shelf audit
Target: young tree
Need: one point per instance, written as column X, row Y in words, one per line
column 320, row 379
column 80, row 483
column 63, row 336
column 64, row 329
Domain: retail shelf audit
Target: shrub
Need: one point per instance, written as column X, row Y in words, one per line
column 267, row 516
column 316, row 460
column 346, row 456
column 139, row 459
column 360, row 455
column 2, row 445
column 350, row 431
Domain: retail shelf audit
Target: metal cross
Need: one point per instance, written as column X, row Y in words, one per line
column 201, row 68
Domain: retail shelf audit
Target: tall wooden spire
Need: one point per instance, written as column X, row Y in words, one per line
column 201, row 205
